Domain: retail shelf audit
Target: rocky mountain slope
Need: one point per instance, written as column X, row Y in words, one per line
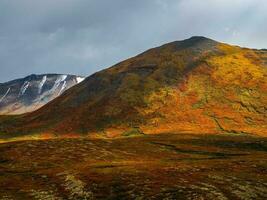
column 193, row 86
column 32, row 92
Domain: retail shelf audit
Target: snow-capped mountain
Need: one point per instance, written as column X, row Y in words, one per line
column 30, row 93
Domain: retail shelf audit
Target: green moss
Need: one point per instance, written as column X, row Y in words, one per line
column 132, row 132
column 199, row 104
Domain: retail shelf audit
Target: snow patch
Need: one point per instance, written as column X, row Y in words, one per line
column 41, row 84
column 59, row 80
column 24, row 88
column 3, row 97
column 79, row 79
column 62, row 87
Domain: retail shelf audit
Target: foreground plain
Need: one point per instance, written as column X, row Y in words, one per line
column 166, row 166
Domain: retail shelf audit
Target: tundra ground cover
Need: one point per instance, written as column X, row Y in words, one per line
column 165, row 166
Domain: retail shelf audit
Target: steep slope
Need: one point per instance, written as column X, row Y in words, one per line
column 30, row 93
column 197, row 86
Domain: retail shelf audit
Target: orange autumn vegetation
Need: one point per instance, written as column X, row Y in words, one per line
column 192, row 86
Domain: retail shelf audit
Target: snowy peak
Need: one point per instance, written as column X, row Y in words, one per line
column 30, row 93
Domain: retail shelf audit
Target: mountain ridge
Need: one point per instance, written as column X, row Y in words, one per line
column 38, row 75
column 32, row 92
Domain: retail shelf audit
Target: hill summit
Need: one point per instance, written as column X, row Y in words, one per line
column 196, row 85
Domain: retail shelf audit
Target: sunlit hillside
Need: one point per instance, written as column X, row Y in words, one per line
column 192, row 86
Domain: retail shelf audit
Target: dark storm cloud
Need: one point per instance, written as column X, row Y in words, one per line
column 84, row 36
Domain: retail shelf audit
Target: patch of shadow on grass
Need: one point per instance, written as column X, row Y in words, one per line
column 213, row 155
column 255, row 145
column 108, row 166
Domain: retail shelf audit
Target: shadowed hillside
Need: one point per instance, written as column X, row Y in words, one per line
column 197, row 86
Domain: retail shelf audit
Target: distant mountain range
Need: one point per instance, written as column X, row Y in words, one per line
column 193, row 86
column 32, row 92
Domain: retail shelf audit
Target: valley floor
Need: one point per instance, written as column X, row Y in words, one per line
column 167, row 166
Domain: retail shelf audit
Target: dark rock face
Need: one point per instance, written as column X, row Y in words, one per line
column 30, row 93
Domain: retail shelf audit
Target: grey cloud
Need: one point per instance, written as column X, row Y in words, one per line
column 84, row 36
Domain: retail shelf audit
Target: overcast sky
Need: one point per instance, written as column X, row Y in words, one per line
column 83, row 36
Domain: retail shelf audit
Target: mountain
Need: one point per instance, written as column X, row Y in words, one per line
column 193, row 86
column 32, row 92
